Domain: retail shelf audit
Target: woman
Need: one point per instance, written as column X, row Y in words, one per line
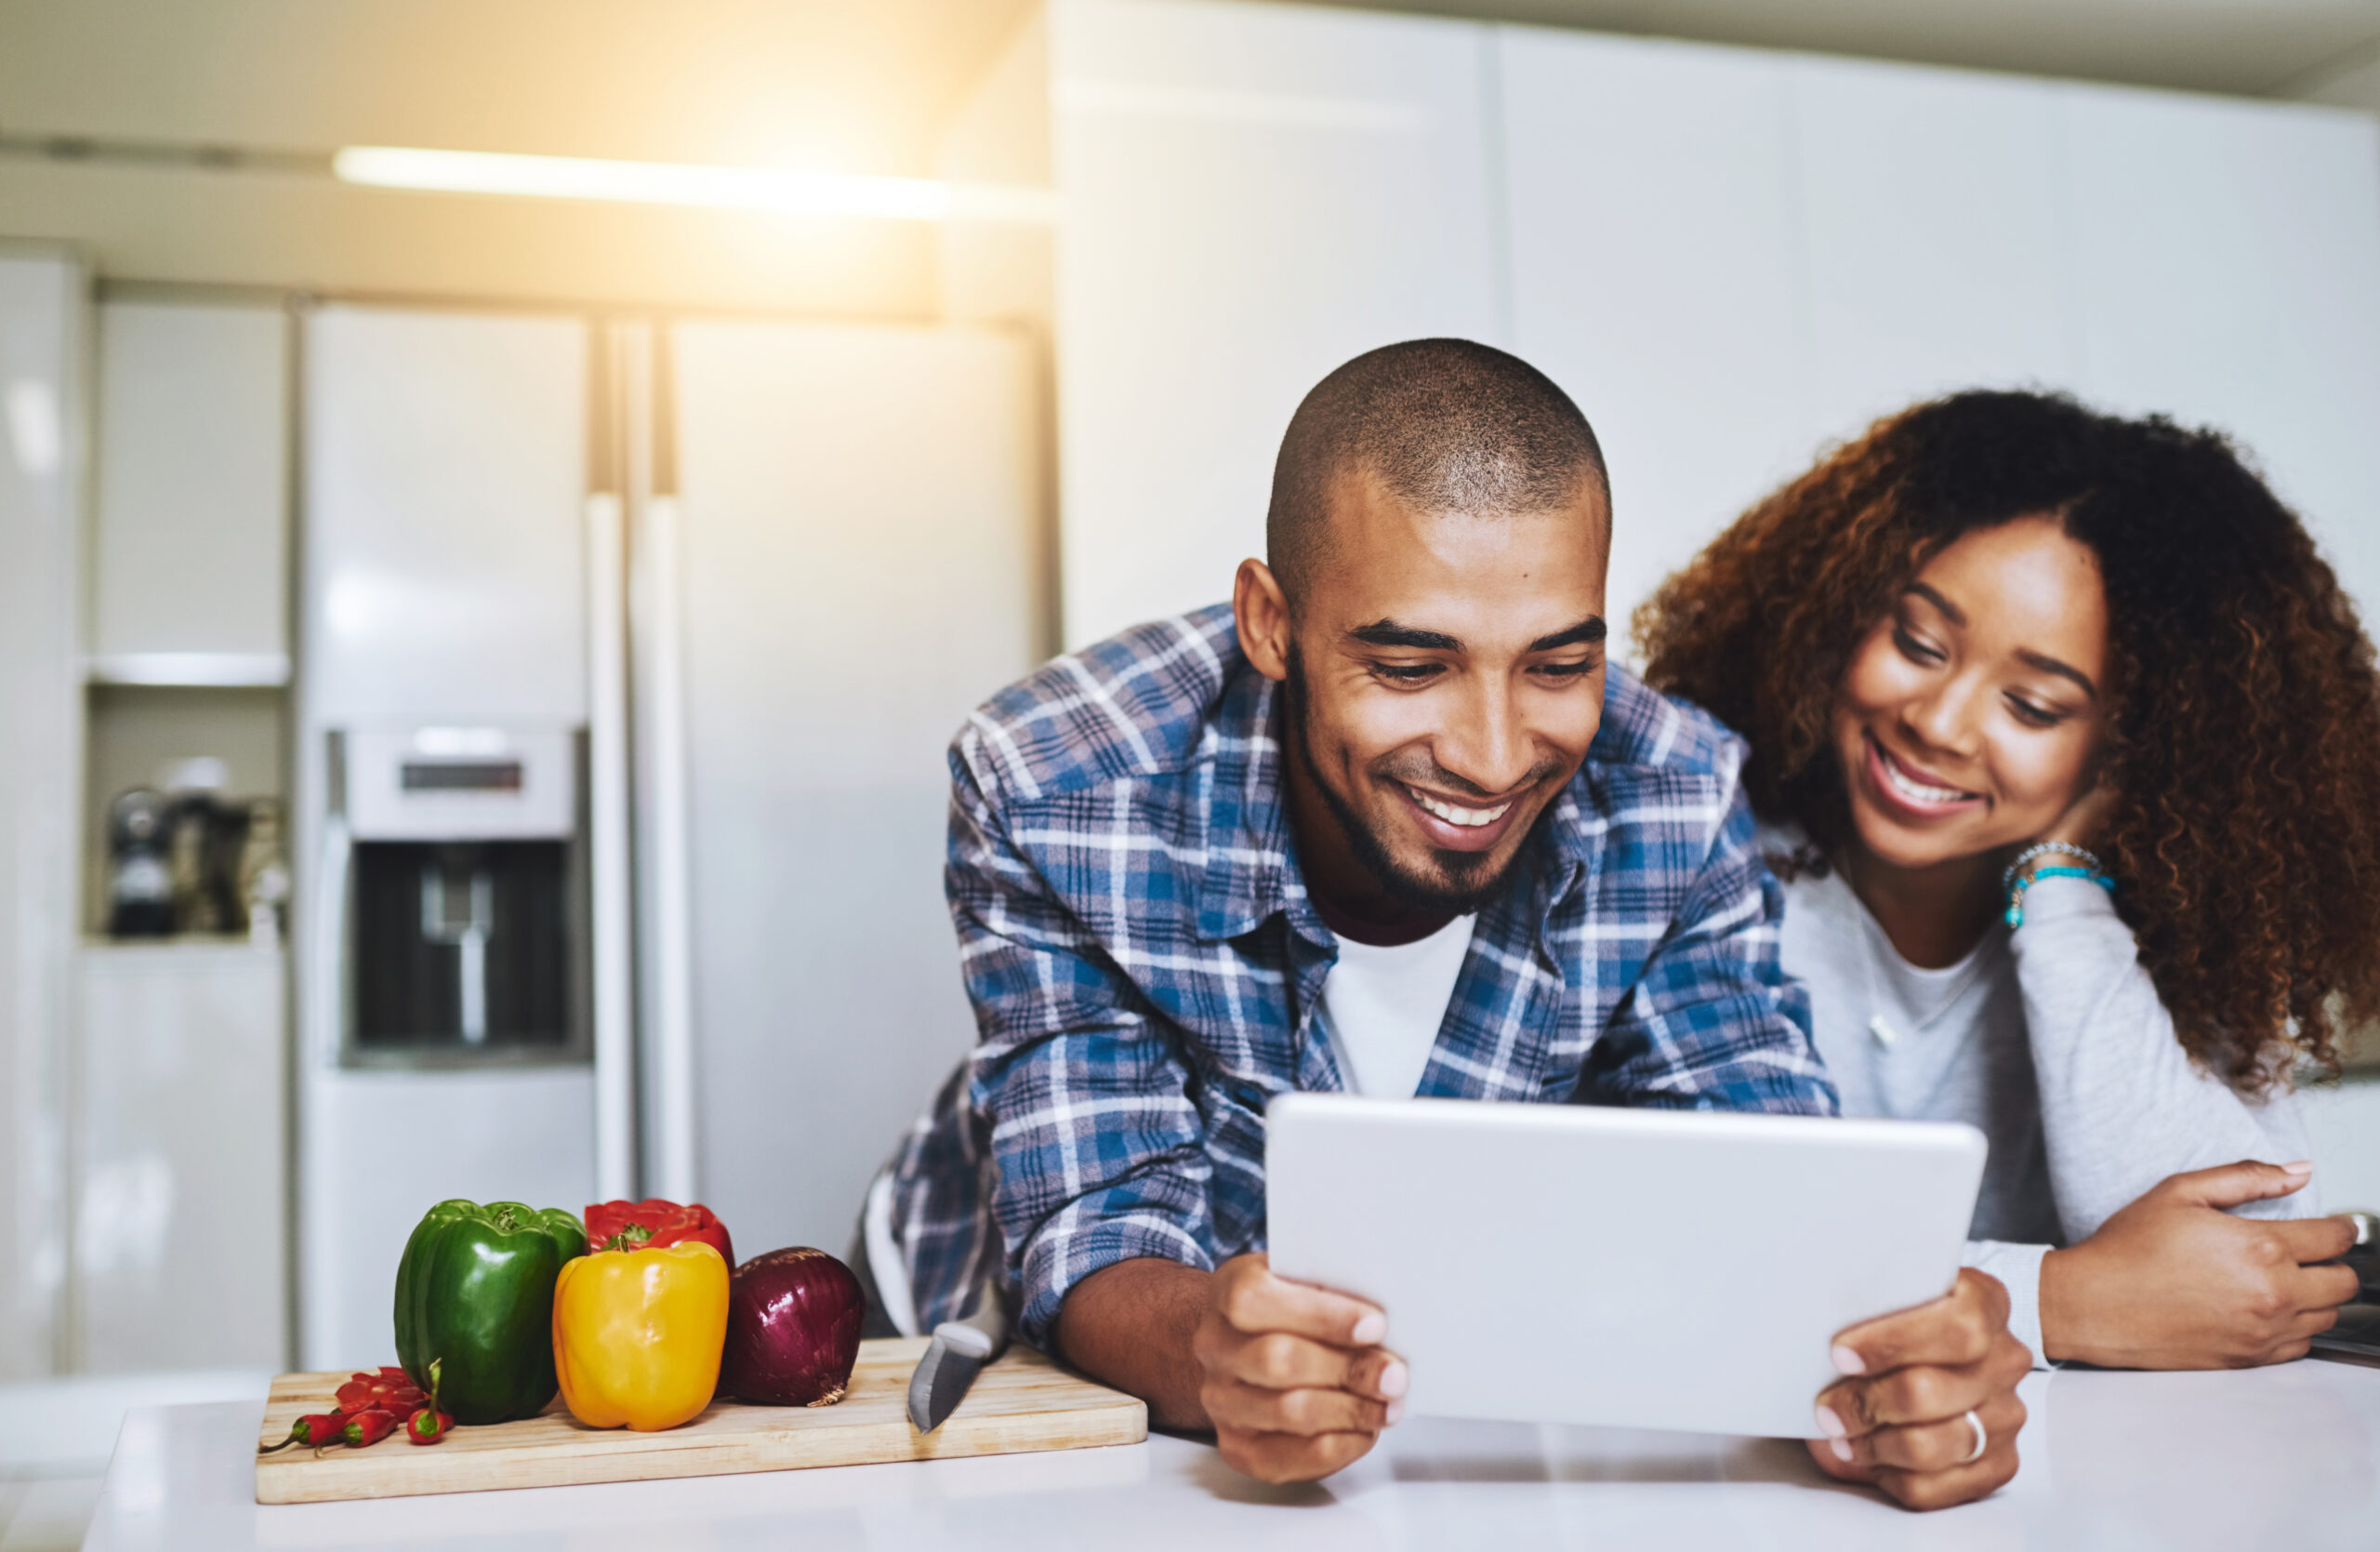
column 2069, row 745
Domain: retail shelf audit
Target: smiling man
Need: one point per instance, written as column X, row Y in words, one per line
column 1389, row 823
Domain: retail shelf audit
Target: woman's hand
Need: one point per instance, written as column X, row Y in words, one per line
column 2084, row 819
column 2173, row 1281
column 1900, row 1421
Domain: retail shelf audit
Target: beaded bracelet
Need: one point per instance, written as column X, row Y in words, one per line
column 2016, row 890
column 2049, row 848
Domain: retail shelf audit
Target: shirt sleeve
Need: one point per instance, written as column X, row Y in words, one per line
column 2122, row 1104
column 1099, row 1151
column 2019, row 1267
column 1713, row 1022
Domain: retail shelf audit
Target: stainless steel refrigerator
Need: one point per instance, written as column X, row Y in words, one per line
column 629, row 651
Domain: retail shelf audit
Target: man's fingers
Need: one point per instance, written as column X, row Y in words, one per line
column 1276, row 1457
column 2312, row 1239
column 1278, row 1360
column 1307, row 1411
column 1939, row 1446
column 1253, row 1300
column 1957, row 1328
column 2231, row 1184
column 1920, row 1393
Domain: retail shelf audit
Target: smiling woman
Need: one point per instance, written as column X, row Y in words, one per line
column 2064, row 733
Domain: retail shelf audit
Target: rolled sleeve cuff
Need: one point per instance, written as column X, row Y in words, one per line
column 1081, row 1241
column 2019, row 1267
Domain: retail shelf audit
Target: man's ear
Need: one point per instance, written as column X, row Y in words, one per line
column 1262, row 612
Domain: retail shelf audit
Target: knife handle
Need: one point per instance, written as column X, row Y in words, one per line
column 983, row 1335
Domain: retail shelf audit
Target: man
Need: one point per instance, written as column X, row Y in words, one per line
column 1391, row 824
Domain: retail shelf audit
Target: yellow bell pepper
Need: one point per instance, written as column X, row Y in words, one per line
column 637, row 1334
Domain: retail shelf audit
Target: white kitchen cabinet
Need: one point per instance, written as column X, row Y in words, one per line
column 2227, row 268
column 859, row 527
column 43, row 451
column 1253, row 194
column 179, row 1140
column 1932, row 222
column 1655, row 274
column 190, row 552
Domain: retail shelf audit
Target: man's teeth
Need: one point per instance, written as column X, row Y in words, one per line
column 1469, row 818
column 1918, row 791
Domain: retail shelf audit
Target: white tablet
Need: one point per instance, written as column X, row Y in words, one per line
column 1631, row 1268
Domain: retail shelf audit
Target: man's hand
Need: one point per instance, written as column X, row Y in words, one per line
column 1900, row 1420
column 2173, row 1281
column 1293, row 1377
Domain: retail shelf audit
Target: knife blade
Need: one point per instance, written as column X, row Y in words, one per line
column 957, row 1354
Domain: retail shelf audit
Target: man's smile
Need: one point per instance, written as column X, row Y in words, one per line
column 1457, row 825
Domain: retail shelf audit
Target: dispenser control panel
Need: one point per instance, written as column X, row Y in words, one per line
column 461, row 784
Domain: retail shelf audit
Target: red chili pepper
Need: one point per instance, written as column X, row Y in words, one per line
column 315, row 1428
column 390, row 1391
column 366, row 1428
column 429, row 1425
column 652, row 1224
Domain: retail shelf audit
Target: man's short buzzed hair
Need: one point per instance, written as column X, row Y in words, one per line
column 1448, row 425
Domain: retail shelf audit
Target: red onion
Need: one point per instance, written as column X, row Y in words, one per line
column 792, row 1329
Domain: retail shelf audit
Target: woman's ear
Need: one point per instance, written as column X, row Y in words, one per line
column 1262, row 612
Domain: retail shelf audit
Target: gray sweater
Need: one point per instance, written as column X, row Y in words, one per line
column 2052, row 1040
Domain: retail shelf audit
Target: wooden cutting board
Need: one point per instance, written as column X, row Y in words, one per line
column 1023, row 1402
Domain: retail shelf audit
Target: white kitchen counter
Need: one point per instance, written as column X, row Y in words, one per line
column 2272, row 1457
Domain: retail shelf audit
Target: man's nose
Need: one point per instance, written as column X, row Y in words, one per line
column 1486, row 744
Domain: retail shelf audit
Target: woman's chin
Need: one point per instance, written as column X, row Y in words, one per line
column 1913, row 849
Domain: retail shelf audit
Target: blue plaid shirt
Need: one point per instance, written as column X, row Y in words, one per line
column 1145, row 964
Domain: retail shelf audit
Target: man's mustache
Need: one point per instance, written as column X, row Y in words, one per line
column 1415, row 768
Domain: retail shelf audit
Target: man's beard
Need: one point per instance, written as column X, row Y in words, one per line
column 1464, row 895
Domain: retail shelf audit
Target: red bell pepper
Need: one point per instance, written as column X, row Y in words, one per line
column 652, row 1224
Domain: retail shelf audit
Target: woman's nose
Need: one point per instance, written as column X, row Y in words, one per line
column 1944, row 719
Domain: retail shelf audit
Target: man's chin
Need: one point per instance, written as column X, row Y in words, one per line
column 1452, row 884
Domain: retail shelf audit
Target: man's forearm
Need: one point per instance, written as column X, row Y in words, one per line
column 1131, row 1325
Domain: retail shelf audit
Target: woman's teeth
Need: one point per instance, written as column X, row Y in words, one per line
column 1469, row 818
column 1918, row 791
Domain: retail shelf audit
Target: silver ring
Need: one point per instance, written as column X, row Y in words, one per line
column 1981, row 1440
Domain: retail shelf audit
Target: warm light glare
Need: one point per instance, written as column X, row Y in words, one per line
column 795, row 194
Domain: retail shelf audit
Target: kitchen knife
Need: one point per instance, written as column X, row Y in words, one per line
column 956, row 1355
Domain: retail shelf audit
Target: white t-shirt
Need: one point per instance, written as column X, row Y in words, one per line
column 1383, row 1008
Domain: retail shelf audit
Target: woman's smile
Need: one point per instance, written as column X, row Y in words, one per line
column 1912, row 790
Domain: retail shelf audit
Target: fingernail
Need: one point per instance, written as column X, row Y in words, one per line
column 1393, row 1380
column 1842, row 1447
column 1370, row 1330
column 1395, row 1411
column 1830, row 1424
column 2303, row 1166
column 1847, row 1361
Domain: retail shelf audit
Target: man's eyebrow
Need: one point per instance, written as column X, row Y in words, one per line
column 1387, row 632
column 1957, row 616
column 2047, row 664
column 1587, row 632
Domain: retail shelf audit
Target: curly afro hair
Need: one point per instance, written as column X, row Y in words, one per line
column 2245, row 743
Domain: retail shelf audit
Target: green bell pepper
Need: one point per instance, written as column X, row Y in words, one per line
column 476, row 1288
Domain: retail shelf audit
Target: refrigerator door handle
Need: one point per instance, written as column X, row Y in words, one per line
column 673, row 1066
column 608, row 823
column 326, row 1003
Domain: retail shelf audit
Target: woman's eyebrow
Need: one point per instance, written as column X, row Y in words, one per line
column 1957, row 616
column 2047, row 664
